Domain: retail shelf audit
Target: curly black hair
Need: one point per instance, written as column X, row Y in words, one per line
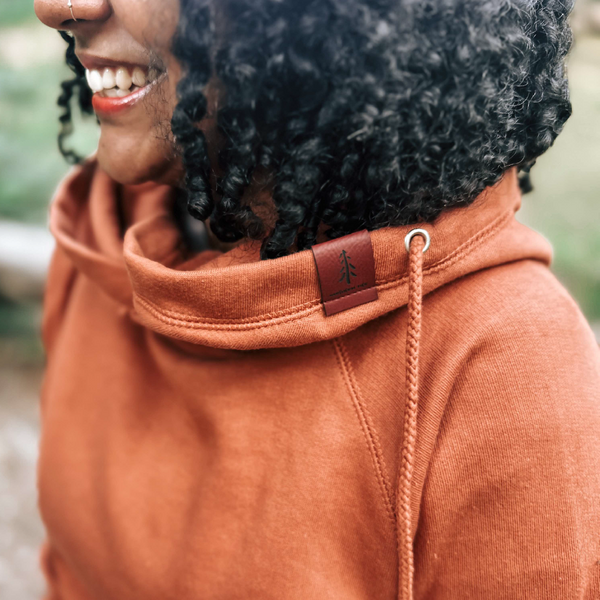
column 78, row 87
column 367, row 113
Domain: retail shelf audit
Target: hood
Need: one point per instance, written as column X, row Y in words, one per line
column 233, row 300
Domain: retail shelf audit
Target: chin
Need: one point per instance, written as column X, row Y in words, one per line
column 131, row 162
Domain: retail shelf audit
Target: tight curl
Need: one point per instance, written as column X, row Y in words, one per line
column 367, row 113
column 78, row 87
column 373, row 113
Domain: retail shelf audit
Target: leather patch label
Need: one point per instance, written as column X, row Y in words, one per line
column 346, row 271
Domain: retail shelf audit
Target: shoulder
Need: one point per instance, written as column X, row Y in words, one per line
column 516, row 311
column 512, row 371
column 515, row 462
column 526, row 374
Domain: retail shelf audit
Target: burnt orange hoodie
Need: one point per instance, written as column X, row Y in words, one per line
column 212, row 430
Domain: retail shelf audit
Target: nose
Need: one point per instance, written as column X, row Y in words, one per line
column 57, row 14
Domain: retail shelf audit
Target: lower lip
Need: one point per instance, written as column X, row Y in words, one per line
column 110, row 106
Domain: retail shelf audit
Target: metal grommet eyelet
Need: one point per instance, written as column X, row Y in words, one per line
column 414, row 232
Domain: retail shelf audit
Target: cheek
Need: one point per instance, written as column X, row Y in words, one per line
column 141, row 148
column 152, row 23
column 137, row 146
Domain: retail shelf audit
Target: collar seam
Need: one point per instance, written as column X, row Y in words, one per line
column 178, row 319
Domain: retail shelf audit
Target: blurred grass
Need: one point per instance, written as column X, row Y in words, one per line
column 15, row 12
column 565, row 206
column 20, row 342
column 19, row 321
column 31, row 69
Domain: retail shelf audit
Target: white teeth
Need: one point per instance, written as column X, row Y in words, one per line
column 118, row 80
column 95, row 80
column 138, row 77
column 108, row 79
column 116, row 93
column 123, row 78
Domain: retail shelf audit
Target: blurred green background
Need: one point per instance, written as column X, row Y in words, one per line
column 564, row 206
column 31, row 69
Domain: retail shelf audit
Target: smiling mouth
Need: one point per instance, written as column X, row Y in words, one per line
column 119, row 87
column 118, row 82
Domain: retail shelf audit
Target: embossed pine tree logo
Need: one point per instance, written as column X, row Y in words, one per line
column 347, row 269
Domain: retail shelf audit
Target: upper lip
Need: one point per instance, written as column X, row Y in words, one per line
column 90, row 62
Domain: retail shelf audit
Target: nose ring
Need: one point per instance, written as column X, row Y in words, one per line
column 71, row 9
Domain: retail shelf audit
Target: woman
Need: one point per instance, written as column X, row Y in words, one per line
column 362, row 379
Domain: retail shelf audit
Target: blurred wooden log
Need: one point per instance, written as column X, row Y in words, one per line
column 25, row 252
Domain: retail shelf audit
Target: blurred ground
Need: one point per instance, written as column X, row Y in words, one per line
column 565, row 207
column 20, row 526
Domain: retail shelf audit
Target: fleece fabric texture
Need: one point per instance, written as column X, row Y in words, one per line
column 209, row 434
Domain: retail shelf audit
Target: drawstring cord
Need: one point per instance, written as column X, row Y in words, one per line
column 417, row 242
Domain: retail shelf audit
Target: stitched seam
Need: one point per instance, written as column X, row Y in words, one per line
column 368, row 430
column 248, row 320
column 497, row 223
column 455, row 256
column 350, row 294
column 183, row 319
column 222, row 326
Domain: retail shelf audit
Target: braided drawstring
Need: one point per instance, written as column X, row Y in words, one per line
column 417, row 242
